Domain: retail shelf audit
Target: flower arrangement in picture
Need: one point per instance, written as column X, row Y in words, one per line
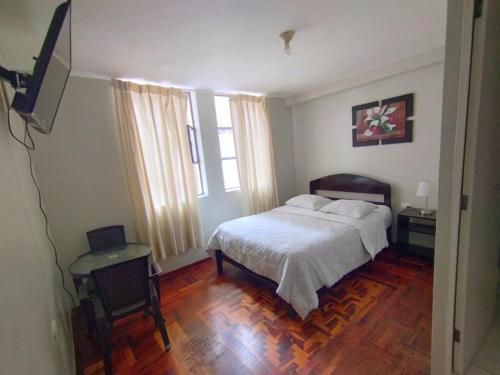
column 383, row 122
column 379, row 120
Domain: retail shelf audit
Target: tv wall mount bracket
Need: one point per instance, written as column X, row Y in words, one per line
column 17, row 80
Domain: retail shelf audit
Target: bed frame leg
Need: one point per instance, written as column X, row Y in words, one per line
column 292, row 314
column 218, row 260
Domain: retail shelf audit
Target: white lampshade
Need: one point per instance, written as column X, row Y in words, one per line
column 423, row 189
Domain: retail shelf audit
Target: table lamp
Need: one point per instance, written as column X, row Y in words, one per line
column 423, row 191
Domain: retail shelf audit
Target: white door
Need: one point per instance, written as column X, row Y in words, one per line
column 479, row 238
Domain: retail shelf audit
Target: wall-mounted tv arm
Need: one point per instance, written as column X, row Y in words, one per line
column 16, row 79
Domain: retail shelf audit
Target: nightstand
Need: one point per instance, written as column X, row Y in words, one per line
column 411, row 220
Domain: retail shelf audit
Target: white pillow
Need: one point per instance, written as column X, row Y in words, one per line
column 347, row 207
column 312, row 202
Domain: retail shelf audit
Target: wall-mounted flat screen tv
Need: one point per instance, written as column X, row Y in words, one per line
column 39, row 103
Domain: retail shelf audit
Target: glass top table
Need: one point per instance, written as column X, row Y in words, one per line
column 93, row 260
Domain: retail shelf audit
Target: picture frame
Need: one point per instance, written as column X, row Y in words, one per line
column 407, row 136
column 383, row 122
column 358, row 111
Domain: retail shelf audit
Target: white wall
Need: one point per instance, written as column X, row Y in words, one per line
column 323, row 138
column 80, row 169
column 32, row 300
column 30, row 289
column 82, row 176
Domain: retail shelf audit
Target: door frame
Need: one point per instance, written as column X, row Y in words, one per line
column 459, row 33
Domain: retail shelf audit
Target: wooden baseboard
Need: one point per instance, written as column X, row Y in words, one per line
column 183, row 268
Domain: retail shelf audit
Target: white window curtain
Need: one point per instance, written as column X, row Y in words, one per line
column 254, row 152
column 162, row 185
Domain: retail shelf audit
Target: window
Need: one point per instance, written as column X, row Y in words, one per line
column 226, row 141
column 193, row 143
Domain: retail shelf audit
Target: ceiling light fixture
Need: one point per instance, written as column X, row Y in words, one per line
column 287, row 36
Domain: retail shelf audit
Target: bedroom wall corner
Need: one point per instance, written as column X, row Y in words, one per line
column 83, row 180
column 323, row 140
column 80, row 170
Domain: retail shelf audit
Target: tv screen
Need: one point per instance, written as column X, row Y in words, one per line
column 39, row 104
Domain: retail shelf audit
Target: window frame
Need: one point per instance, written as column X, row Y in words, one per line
column 195, row 159
column 235, row 157
column 193, row 128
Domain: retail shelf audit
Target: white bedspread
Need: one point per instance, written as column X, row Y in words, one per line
column 300, row 249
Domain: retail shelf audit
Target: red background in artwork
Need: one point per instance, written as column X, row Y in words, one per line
column 398, row 117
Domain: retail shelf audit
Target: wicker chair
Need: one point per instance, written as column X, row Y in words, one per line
column 124, row 289
column 106, row 237
column 114, row 235
column 103, row 239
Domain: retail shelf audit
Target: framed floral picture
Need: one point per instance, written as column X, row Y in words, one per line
column 383, row 122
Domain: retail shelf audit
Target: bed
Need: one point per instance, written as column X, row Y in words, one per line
column 301, row 250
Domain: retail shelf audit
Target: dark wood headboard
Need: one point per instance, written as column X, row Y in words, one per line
column 351, row 183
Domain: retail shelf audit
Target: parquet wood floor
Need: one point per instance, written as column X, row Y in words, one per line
column 376, row 320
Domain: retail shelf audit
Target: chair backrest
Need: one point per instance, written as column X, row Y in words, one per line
column 106, row 237
column 123, row 287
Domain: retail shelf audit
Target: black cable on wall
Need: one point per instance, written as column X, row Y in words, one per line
column 31, row 147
